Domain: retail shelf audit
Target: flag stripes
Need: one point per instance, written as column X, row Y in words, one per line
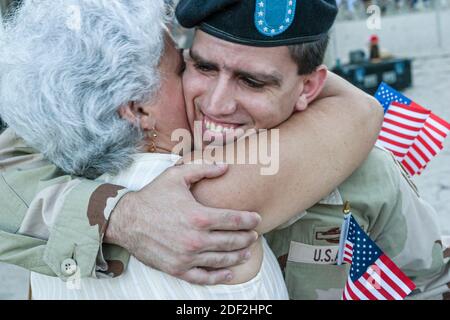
column 401, row 126
column 372, row 276
column 348, row 252
column 412, row 133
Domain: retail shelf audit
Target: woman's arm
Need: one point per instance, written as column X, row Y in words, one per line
column 319, row 149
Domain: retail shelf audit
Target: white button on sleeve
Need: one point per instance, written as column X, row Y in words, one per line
column 69, row 267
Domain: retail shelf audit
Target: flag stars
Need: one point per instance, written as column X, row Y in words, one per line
column 260, row 22
column 261, row 4
column 261, row 13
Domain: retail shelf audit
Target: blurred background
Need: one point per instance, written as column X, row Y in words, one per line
column 404, row 43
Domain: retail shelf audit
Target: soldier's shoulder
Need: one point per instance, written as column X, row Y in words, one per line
column 379, row 174
column 380, row 158
column 380, row 165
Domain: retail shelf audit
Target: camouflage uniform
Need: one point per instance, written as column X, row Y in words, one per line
column 387, row 205
column 49, row 219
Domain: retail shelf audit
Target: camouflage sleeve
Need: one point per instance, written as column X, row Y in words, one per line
column 48, row 218
column 408, row 231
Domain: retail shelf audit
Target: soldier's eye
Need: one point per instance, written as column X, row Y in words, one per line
column 204, row 67
column 252, row 83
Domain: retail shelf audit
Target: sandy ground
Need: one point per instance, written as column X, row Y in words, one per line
column 431, row 88
column 420, row 34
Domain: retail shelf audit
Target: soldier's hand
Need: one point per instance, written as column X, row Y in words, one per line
column 166, row 228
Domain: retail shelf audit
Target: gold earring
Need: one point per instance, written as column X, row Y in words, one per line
column 153, row 135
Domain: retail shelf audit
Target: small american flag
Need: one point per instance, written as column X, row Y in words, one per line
column 386, row 95
column 372, row 276
column 401, row 126
column 411, row 132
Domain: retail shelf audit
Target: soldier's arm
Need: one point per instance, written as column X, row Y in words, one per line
column 319, row 148
column 48, row 217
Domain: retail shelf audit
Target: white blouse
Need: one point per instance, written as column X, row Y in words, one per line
column 142, row 282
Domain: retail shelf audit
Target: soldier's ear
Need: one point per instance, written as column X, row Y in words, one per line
column 302, row 103
column 312, row 86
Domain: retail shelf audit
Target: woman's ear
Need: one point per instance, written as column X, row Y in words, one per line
column 312, row 86
column 128, row 113
column 136, row 114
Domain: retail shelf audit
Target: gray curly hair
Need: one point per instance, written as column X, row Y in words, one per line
column 67, row 66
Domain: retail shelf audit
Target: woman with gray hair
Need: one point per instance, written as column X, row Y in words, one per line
column 71, row 87
column 71, row 73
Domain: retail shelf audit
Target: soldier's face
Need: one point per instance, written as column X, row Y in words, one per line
column 229, row 86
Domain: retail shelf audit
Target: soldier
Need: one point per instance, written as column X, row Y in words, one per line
column 385, row 201
column 60, row 224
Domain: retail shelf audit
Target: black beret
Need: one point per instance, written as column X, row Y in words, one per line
column 262, row 23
